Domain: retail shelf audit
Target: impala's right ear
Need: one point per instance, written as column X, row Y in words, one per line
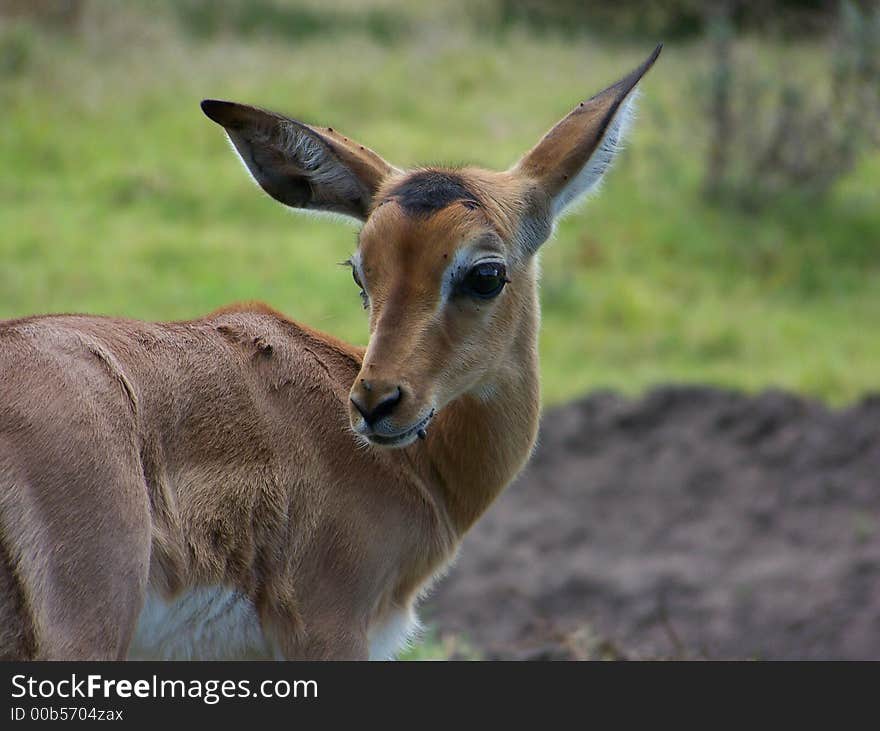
column 299, row 165
column 571, row 158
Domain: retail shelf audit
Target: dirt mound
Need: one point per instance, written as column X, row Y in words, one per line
column 693, row 522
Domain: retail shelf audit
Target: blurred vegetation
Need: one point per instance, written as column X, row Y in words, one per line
column 286, row 20
column 772, row 136
column 118, row 197
column 673, row 19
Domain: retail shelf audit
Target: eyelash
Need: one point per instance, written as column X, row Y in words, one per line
column 365, row 298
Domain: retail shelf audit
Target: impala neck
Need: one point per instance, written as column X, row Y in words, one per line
column 481, row 441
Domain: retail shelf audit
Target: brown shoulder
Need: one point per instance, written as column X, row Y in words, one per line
column 258, row 315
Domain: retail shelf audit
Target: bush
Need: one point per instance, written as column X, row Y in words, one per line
column 771, row 136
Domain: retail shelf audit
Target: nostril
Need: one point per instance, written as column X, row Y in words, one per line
column 382, row 408
column 360, row 408
column 385, row 406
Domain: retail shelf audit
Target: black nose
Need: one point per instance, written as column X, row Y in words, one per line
column 382, row 405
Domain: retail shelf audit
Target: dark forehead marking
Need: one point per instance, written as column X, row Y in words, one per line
column 427, row 191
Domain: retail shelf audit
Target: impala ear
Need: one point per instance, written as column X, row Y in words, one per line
column 571, row 158
column 299, row 165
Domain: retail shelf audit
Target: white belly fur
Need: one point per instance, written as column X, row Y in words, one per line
column 219, row 624
column 203, row 624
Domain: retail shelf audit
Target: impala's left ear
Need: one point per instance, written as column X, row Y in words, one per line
column 300, row 165
column 572, row 157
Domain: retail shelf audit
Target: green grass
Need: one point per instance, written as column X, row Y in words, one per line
column 117, row 196
column 431, row 647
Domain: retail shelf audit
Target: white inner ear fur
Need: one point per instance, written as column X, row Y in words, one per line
column 588, row 180
column 324, row 169
column 319, row 165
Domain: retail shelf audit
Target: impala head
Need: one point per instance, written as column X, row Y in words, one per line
column 445, row 257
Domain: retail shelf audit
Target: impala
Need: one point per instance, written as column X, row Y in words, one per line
column 242, row 486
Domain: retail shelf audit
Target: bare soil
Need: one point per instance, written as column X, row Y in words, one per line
column 690, row 523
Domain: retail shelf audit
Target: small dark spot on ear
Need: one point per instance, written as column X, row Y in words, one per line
column 330, row 129
column 345, row 138
column 445, row 256
column 581, row 104
column 362, row 147
column 565, row 177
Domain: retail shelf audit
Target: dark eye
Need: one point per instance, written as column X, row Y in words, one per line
column 485, row 280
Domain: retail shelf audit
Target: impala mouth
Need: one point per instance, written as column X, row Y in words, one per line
column 404, row 438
